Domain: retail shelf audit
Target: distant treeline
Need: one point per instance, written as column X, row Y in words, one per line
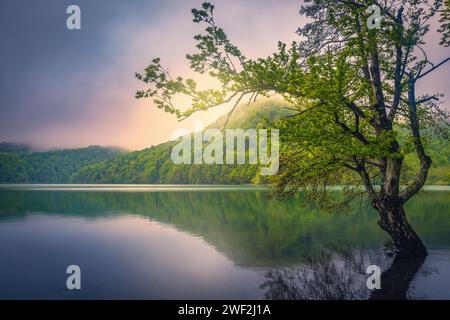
column 154, row 165
column 20, row 164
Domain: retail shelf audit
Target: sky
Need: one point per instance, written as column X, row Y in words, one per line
column 63, row 88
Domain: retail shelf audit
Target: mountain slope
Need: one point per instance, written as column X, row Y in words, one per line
column 57, row 166
column 154, row 165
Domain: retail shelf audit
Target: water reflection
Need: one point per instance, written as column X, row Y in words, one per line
column 246, row 226
column 338, row 272
column 396, row 281
column 240, row 231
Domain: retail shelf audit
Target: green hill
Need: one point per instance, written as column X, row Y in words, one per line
column 19, row 164
column 154, row 165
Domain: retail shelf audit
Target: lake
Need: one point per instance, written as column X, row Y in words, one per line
column 205, row 242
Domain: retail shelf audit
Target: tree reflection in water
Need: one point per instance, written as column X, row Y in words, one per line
column 338, row 272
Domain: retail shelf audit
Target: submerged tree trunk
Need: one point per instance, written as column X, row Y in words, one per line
column 389, row 204
column 393, row 220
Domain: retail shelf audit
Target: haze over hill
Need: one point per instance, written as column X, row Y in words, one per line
column 18, row 163
column 154, row 165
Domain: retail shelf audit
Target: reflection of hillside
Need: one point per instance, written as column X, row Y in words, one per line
column 248, row 227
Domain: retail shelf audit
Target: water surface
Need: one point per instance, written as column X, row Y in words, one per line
column 189, row 242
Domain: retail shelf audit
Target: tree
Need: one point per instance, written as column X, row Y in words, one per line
column 352, row 88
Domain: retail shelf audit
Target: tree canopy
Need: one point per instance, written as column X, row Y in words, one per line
column 352, row 87
column 348, row 83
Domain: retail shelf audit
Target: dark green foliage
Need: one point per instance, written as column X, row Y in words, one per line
column 154, row 165
column 13, row 168
column 51, row 166
column 136, row 167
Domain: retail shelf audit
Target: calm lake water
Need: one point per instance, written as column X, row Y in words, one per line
column 172, row 242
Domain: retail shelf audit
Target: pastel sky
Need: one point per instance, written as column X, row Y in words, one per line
column 62, row 88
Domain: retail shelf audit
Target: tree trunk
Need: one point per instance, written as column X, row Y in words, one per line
column 405, row 239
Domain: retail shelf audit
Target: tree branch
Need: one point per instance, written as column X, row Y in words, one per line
column 398, row 66
column 419, row 76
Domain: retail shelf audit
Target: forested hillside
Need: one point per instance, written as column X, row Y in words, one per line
column 19, row 164
column 154, row 165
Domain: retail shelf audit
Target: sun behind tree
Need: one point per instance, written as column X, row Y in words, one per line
column 353, row 89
